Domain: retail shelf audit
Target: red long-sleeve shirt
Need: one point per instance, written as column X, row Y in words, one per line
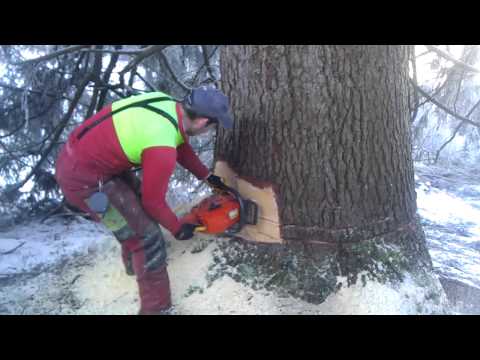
column 158, row 164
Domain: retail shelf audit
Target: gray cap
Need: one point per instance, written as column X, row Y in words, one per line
column 210, row 103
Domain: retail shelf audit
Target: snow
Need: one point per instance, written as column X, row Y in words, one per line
column 425, row 74
column 102, row 287
column 443, row 207
column 452, row 228
column 373, row 298
column 43, row 245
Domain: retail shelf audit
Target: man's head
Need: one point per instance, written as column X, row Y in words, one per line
column 204, row 109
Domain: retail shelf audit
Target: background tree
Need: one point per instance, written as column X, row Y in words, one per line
column 46, row 91
column 445, row 105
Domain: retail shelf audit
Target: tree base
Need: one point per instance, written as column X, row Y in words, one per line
column 301, row 271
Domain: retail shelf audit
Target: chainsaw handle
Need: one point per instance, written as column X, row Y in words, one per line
column 200, row 229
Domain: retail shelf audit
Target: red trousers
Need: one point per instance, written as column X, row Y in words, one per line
column 141, row 240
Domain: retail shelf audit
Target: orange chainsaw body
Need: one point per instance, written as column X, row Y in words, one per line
column 216, row 213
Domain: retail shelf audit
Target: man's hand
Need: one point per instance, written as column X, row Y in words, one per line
column 186, row 232
column 216, row 183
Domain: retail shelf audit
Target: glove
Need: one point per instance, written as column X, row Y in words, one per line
column 216, row 183
column 186, row 231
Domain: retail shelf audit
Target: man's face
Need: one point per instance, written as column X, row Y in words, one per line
column 199, row 127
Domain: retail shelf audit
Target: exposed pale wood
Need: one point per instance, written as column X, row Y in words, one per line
column 267, row 229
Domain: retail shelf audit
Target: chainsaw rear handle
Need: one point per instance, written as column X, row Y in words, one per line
column 200, row 229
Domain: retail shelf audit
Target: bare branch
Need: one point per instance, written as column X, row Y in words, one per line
column 172, row 73
column 148, row 51
column 56, row 135
column 460, row 81
column 206, row 60
column 132, row 77
column 96, row 71
column 32, row 146
column 12, row 155
column 448, row 141
column 13, row 88
column 112, row 88
column 114, row 52
column 106, row 77
column 436, row 91
column 443, row 107
column 448, row 57
column 64, row 51
column 457, row 129
column 14, row 130
column 153, row 88
column 473, row 108
column 422, row 54
column 204, row 64
column 13, row 250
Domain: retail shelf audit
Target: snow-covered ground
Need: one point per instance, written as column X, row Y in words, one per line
column 97, row 284
column 37, row 246
column 449, row 204
column 452, row 227
column 450, row 214
column 75, row 268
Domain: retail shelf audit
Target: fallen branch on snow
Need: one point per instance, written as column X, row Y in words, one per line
column 14, row 249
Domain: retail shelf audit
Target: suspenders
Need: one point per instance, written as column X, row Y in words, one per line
column 146, row 104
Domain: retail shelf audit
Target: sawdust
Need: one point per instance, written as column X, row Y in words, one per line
column 96, row 283
column 226, row 296
column 104, row 288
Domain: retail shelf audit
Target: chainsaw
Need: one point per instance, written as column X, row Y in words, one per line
column 223, row 213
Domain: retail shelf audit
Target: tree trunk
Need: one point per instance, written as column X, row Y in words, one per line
column 326, row 130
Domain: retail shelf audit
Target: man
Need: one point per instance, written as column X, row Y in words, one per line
column 150, row 130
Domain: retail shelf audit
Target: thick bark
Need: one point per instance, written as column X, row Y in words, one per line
column 327, row 126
